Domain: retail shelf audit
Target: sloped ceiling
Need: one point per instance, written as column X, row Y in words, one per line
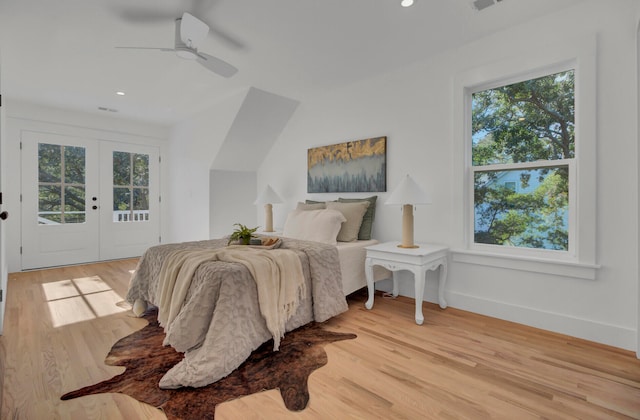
column 257, row 125
column 62, row 53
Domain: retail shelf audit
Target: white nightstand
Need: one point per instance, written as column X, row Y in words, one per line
column 417, row 260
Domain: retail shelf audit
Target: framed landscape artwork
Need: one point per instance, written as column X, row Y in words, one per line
column 354, row 166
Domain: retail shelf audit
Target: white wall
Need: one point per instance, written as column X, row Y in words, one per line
column 194, row 145
column 414, row 108
column 231, row 201
column 25, row 116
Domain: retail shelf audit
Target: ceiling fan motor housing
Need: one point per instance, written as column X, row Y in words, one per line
column 190, row 31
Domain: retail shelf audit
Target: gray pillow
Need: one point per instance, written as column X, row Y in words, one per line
column 353, row 212
column 369, row 216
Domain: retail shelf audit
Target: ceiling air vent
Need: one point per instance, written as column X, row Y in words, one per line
column 102, row 108
column 483, row 4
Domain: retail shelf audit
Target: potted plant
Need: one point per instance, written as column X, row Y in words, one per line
column 242, row 234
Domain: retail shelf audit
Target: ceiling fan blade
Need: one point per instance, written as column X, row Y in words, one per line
column 192, row 30
column 146, row 48
column 142, row 15
column 216, row 65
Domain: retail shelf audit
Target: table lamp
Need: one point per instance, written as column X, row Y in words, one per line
column 268, row 197
column 408, row 194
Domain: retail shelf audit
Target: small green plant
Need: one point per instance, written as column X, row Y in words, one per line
column 242, row 234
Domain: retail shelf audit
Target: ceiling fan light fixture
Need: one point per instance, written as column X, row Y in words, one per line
column 186, row 53
column 188, row 32
column 406, row 3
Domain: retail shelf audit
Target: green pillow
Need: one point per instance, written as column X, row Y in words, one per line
column 367, row 220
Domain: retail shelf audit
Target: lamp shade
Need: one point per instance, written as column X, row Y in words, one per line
column 268, row 196
column 408, row 192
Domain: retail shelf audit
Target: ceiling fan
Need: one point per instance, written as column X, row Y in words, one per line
column 190, row 31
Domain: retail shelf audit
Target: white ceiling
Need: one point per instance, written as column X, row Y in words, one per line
column 62, row 53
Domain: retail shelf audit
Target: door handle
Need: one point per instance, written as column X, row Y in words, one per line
column 4, row 215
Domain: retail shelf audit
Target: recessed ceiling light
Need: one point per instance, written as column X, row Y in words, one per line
column 120, row 93
column 406, row 3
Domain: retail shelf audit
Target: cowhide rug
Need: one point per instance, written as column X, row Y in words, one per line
column 146, row 360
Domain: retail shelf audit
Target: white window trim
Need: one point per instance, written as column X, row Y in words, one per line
column 580, row 260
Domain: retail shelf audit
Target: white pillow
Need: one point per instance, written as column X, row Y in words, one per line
column 314, row 225
column 353, row 212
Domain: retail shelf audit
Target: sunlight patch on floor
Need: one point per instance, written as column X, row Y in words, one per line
column 81, row 299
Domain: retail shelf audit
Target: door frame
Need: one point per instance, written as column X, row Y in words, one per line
column 3, row 249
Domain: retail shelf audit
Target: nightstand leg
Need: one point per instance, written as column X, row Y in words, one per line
column 441, row 283
column 368, row 273
column 394, row 290
column 419, row 275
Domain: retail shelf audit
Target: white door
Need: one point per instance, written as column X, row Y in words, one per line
column 130, row 195
column 86, row 200
column 60, row 213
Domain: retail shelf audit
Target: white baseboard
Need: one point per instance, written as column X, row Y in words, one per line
column 612, row 335
column 599, row 332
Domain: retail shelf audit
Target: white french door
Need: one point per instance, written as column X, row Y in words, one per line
column 129, row 190
column 85, row 200
column 60, row 225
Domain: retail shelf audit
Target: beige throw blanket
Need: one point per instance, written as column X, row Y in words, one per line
column 220, row 323
column 277, row 273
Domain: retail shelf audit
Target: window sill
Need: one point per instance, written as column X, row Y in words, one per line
column 535, row 265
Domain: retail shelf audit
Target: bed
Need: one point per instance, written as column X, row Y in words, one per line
column 219, row 321
column 352, row 256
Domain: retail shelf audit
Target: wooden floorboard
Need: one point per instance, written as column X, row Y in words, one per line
column 60, row 324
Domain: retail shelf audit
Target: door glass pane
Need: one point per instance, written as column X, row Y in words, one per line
column 141, row 170
column 61, row 168
column 141, row 204
column 49, row 200
column 74, row 165
column 121, row 204
column 130, row 173
column 121, row 169
column 74, row 199
column 49, row 162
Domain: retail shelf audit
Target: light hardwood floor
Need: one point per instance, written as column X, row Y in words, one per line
column 60, row 324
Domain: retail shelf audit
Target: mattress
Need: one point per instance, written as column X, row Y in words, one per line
column 352, row 256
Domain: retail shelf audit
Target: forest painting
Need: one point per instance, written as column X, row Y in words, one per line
column 354, row 166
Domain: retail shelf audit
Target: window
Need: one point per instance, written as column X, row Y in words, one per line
column 522, row 152
column 61, row 184
column 130, row 187
column 510, row 185
column 527, row 200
